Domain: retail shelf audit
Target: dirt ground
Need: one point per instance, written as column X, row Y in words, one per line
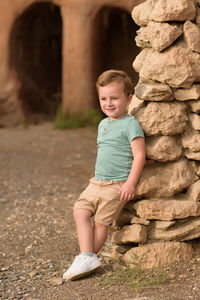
column 42, row 171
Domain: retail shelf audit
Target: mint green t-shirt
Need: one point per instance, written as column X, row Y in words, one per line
column 114, row 154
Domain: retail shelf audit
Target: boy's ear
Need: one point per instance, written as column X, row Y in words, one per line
column 130, row 98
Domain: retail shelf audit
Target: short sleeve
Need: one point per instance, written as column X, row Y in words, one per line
column 134, row 129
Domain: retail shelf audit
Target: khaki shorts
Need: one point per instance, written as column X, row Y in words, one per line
column 103, row 199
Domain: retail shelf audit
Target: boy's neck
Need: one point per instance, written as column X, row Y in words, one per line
column 110, row 119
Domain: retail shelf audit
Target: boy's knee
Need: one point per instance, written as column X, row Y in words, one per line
column 82, row 214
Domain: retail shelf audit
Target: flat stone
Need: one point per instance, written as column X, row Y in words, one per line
column 130, row 234
column 181, row 231
column 163, row 224
column 159, row 254
column 152, row 91
column 166, row 209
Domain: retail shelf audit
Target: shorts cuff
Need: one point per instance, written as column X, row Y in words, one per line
column 102, row 222
column 84, row 207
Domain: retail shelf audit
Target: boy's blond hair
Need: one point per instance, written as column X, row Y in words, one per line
column 115, row 75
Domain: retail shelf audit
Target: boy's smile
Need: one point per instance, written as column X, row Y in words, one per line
column 113, row 100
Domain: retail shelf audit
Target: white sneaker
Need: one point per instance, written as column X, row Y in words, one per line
column 82, row 266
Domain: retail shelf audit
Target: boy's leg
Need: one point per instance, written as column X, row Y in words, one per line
column 84, row 263
column 84, row 229
column 99, row 236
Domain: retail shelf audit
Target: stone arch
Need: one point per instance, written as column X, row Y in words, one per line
column 35, row 47
column 113, row 41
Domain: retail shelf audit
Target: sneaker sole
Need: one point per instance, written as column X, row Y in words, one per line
column 83, row 274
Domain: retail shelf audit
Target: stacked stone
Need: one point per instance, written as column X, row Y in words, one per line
column 164, row 222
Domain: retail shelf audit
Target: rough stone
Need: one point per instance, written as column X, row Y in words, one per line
column 159, row 254
column 194, row 121
column 163, row 148
column 198, row 171
column 193, row 192
column 124, row 218
column 192, row 155
column 177, row 10
column 136, row 220
column 194, row 59
column 153, row 91
column 173, row 66
column 194, row 106
column 135, row 233
column 192, row 36
column 164, row 10
column 165, row 180
column 121, row 248
column 142, row 39
column 166, row 209
column 56, row 281
column 162, row 35
column 197, row 19
column 141, row 12
column 181, row 231
column 135, row 105
column 191, row 140
column 163, row 224
column 188, row 94
column 163, row 118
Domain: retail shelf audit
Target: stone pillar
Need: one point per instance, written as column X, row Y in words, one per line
column 165, row 216
column 77, row 62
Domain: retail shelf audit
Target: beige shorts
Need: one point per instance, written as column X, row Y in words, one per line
column 103, row 199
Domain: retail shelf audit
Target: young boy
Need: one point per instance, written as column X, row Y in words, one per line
column 120, row 160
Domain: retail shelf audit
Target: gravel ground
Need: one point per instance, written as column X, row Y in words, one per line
column 42, row 171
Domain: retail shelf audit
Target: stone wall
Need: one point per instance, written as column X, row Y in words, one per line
column 162, row 224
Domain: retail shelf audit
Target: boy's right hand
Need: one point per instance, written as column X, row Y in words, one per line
column 127, row 192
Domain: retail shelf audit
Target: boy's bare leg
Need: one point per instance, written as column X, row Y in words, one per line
column 100, row 235
column 84, row 229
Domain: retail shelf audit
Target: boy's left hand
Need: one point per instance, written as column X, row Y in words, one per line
column 127, row 192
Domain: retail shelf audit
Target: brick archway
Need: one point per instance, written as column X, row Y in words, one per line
column 35, row 57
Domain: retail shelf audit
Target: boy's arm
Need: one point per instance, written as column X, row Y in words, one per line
column 127, row 191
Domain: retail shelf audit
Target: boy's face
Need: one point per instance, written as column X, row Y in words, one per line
column 113, row 100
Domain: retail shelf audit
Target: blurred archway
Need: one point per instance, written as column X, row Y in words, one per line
column 35, row 57
column 113, row 41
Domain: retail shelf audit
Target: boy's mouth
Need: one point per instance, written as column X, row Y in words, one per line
column 110, row 108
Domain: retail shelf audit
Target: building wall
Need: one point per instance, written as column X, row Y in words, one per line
column 79, row 19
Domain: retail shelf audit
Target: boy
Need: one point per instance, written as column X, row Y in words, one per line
column 120, row 139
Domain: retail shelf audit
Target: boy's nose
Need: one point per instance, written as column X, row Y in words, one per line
column 109, row 102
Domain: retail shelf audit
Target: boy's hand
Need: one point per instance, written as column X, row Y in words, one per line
column 127, row 192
